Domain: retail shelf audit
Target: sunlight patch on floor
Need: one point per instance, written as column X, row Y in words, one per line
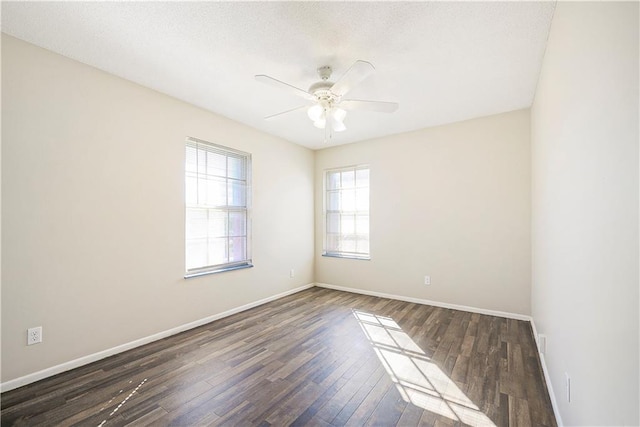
column 121, row 403
column 418, row 380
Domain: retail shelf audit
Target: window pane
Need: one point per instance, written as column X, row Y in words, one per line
column 362, row 199
column 216, row 192
column 333, row 223
column 201, row 158
column 333, row 242
column 237, row 224
column 333, row 200
column 237, row 249
column 348, row 244
column 216, row 164
column 236, row 168
column 191, row 160
column 202, row 190
column 363, row 246
column 196, row 226
column 348, row 200
column 348, row 224
column 362, row 224
column 333, row 180
column 362, row 178
column 217, row 223
column 237, row 193
column 191, row 190
column 348, row 179
column 217, row 251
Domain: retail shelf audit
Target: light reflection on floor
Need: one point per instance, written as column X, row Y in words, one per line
column 419, row 381
column 121, row 403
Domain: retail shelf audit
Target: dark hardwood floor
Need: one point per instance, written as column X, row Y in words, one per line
column 319, row 357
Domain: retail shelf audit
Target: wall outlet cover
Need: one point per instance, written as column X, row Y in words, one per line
column 542, row 343
column 34, row 335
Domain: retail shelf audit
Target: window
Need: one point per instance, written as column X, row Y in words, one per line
column 346, row 205
column 217, row 226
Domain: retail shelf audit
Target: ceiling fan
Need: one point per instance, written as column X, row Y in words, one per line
column 328, row 109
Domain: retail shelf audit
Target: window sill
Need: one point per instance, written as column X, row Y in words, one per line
column 217, row 270
column 362, row 258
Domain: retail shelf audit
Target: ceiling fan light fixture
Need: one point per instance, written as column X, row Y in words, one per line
column 320, row 123
column 336, row 117
column 338, row 126
column 339, row 114
column 316, row 112
column 320, row 115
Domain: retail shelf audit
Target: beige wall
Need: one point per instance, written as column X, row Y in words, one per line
column 585, row 211
column 93, row 211
column 452, row 202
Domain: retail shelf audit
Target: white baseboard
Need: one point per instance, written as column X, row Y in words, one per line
column 547, row 378
column 76, row 363
column 428, row 302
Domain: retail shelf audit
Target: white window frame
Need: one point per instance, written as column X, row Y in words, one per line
column 203, row 173
column 332, row 251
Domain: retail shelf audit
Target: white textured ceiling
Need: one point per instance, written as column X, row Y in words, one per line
column 441, row 61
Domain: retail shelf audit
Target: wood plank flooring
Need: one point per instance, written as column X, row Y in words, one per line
column 319, row 358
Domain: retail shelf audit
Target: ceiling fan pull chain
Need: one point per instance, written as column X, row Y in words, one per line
column 327, row 134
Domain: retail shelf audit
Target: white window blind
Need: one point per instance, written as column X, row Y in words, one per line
column 217, row 208
column 347, row 212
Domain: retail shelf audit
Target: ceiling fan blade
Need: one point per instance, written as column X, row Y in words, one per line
column 378, row 106
column 359, row 71
column 302, row 107
column 291, row 89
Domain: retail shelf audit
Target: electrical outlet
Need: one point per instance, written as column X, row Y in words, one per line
column 292, row 273
column 568, row 386
column 427, row 280
column 542, row 343
column 34, row 335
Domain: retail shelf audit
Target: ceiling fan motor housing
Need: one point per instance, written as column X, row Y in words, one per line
column 323, row 95
column 322, row 90
column 325, row 72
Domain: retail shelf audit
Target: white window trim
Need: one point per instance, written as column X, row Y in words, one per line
column 248, row 263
